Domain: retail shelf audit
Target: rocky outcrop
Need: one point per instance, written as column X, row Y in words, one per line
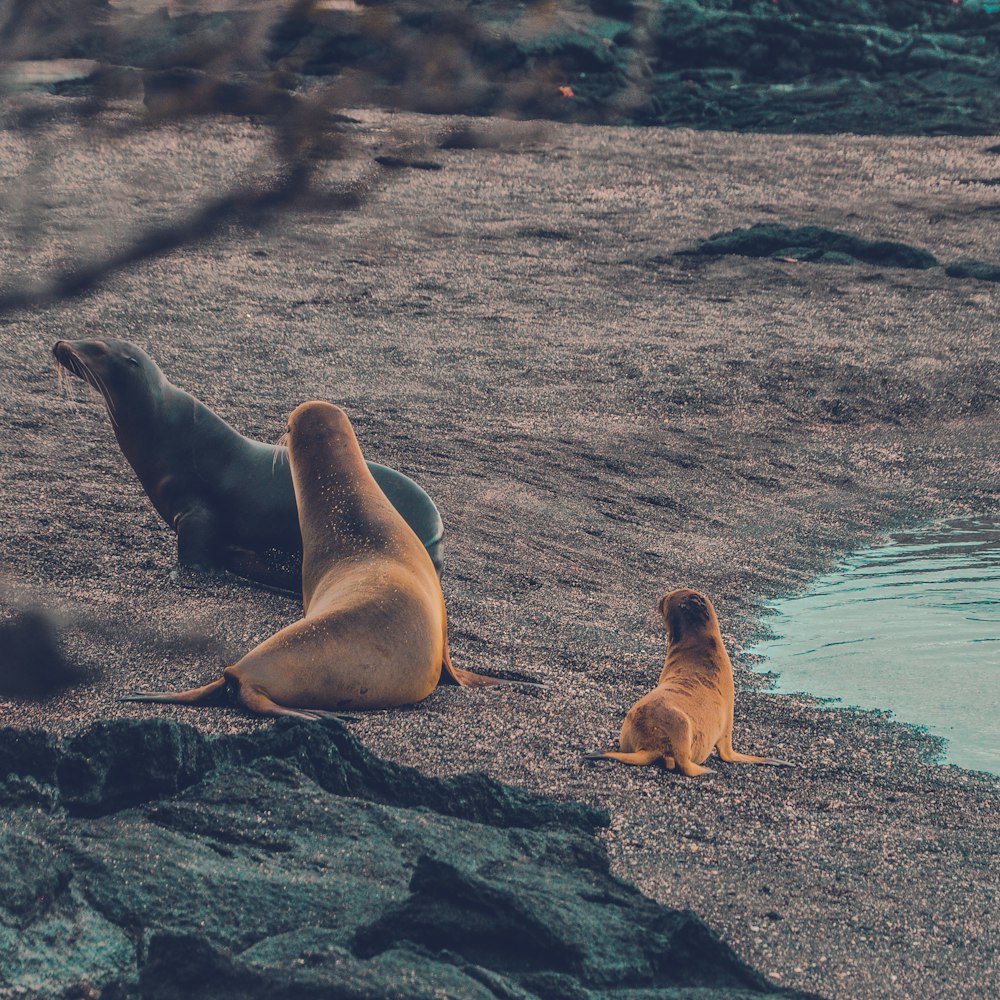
column 884, row 66
column 816, row 245
column 980, row 270
column 796, row 65
column 141, row 859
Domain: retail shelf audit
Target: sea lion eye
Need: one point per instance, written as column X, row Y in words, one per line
column 132, row 361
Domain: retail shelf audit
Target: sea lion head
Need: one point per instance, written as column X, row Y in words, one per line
column 317, row 420
column 118, row 370
column 334, row 490
column 684, row 612
column 321, row 441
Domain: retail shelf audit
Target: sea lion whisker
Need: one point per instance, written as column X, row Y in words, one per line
column 62, row 380
column 102, row 388
column 109, row 403
column 70, row 360
column 280, row 451
column 64, row 361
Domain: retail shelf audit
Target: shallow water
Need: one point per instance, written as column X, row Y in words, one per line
column 912, row 626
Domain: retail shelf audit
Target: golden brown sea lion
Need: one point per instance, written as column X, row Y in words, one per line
column 690, row 711
column 375, row 630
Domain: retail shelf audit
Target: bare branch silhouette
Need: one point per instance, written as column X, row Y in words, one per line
column 260, row 63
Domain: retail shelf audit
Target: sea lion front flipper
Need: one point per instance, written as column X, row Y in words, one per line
column 284, row 576
column 208, row 694
column 196, row 533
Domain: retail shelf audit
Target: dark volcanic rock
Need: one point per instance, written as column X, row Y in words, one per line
column 797, row 65
column 815, row 244
column 828, row 246
column 28, row 753
column 30, row 29
column 311, row 964
column 182, row 90
column 115, row 765
column 979, row 269
column 294, row 863
column 529, row 928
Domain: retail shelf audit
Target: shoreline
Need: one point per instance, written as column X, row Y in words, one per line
column 930, row 589
column 599, row 420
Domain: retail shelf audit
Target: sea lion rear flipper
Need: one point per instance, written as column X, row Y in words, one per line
column 450, row 674
column 731, row 756
column 466, row 678
column 692, row 770
column 213, row 693
column 641, row 758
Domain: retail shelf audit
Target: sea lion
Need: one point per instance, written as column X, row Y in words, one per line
column 690, row 711
column 375, row 630
column 229, row 499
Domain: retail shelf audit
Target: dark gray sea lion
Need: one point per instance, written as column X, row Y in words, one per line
column 690, row 711
column 229, row 499
column 374, row 633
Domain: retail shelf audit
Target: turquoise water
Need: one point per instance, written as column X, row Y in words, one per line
column 912, row 626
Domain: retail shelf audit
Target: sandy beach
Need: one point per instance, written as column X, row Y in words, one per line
column 599, row 417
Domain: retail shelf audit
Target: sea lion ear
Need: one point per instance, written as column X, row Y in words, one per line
column 661, row 606
column 698, row 608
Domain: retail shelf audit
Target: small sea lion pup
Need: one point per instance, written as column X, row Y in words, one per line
column 690, row 711
column 375, row 630
column 229, row 499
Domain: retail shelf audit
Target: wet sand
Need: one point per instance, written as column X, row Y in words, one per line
column 599, row 420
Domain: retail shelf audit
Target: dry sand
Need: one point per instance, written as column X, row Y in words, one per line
column 599, row 421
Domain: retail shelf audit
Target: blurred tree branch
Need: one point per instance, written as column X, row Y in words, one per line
column 100, row 73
